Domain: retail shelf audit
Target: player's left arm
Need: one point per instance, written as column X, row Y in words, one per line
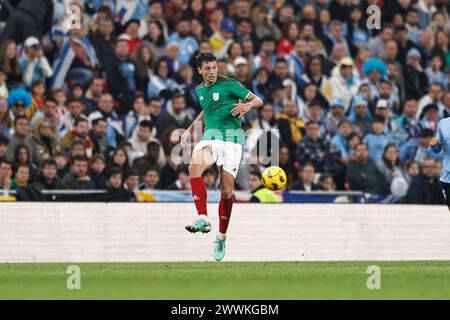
column 241, row 108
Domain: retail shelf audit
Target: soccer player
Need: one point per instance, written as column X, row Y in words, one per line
column 437, row 143
column 221, row 100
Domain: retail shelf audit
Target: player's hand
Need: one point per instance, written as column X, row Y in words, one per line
column 240, row 109
column 434, row 141
column 185, row 138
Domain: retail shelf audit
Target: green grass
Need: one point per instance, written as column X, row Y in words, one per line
column 281, row 280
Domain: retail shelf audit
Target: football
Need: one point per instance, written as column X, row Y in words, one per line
column 274, row 178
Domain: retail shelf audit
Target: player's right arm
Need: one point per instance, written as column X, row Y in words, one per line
column 190, row 130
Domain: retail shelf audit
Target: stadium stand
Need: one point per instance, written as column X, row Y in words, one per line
column 91, row 107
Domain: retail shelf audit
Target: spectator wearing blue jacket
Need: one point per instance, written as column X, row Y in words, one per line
column 376, row 141
column 33, row 64
column 418, row 149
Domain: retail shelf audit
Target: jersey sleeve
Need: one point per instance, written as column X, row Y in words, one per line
column 238, row 90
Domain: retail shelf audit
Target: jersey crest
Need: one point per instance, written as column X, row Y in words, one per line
column 215, row 96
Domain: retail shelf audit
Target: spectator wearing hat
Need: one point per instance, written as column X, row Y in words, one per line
column 383, row 110
column 241, row 71
column 222, row 39
column 120, row 73
column 343, row 84
column 417, row 149
column 334, row 116
column 416, row 81
column 187, row 44
column 360, row 117
column 34, row 65
column 19, row 100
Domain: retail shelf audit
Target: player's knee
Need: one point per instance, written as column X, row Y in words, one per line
column 195, row 170
column 226, row 193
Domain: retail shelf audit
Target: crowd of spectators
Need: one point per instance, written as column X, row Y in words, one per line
column 94, row 106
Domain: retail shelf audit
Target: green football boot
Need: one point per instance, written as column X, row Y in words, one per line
column 199, row 226
column 219, row 249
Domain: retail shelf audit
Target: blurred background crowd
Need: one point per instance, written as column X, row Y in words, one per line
column 94, row 106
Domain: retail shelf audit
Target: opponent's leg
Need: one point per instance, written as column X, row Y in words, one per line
column 201, row 160
column 225, row 207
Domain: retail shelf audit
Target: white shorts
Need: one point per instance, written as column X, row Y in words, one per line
column 225, row 154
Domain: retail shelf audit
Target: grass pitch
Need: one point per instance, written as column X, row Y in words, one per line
column 204, row 280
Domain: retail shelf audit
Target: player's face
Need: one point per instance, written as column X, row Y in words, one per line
column 209, row 71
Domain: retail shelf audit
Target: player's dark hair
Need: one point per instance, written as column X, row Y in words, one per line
column 204, row 57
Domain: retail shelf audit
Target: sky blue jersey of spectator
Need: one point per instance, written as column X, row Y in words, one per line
column 375, row 145
column 443, row 133
column 186, row 46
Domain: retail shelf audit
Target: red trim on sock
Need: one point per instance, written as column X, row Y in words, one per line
column 199, row 194
column 225, row 207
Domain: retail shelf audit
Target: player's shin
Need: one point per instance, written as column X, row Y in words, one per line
column 225, row 207
column 199, row 194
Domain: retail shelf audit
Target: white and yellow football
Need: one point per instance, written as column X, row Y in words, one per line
column 274, row 178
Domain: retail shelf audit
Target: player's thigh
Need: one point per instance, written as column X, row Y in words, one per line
column 201, row 160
